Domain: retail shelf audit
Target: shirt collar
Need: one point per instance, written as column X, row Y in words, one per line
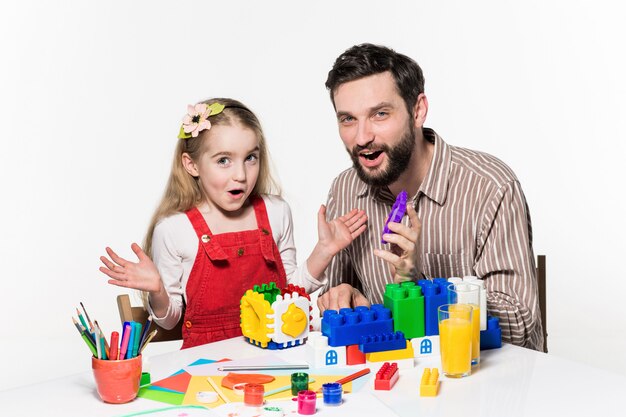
column 435, row 184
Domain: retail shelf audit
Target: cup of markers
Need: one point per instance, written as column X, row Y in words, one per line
column 116, row 366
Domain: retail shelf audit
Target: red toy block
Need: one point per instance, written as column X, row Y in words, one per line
column 387, row 376
column 354, row 356
column 294, row 288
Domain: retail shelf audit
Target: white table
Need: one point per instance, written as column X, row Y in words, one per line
column 511, row 381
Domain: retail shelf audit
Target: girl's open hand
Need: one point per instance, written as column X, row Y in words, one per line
column 142, row 275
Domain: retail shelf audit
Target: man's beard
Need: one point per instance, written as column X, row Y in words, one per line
column 398, row 160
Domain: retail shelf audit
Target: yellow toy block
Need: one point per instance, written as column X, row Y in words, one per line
column 391, row 355
column 430, row 382
column 256, row 318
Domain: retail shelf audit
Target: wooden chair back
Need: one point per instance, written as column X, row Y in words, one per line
column 140, row 315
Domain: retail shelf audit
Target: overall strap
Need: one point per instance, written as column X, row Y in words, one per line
column 265, row 230
column 213, row 250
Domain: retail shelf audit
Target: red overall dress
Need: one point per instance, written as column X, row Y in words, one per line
column 226, row 266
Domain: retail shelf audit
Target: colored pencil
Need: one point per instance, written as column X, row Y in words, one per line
column 82, row 320
column 113, row 352
column 261, row 367
column 98, row 344
column 353, row 376
column 87, row 315
column 106, row 344
column 146, row 330
column 86, row 338
column 148, row 339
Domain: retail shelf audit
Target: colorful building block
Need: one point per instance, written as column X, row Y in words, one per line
column 426, row 346
column 256, row 317
column 274, row 321
column 392, row 355
column 382, row 342
column 320, row 355
column 435, row 294
column 354, row 356
column 269, row 291
column 291, row 319
column 430, row 382
column 492, row 337
column 386, row 377
column 406, row 303
column 346, row 326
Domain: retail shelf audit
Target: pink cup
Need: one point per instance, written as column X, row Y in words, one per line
column 117, row 382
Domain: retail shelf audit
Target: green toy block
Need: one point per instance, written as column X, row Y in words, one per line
column 406, row 303
column 269, row 291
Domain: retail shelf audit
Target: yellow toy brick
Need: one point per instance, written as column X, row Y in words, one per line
column 256, row 321
column 430, row 382
column 391, row 355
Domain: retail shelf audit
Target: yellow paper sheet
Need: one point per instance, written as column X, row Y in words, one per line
column 200, row 383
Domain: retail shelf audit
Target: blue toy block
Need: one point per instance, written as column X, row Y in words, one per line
column 435, row 294
column 271, row 345
column 492, row 337
column 347, row 326
column 382, row 342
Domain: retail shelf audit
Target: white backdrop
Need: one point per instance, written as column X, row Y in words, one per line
column 92, row 94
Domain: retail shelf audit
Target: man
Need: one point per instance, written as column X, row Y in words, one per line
column 467, row 214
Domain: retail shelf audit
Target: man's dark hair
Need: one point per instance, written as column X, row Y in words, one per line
column 367, row 59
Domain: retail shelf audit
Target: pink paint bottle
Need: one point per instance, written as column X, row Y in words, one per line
column 306, row 402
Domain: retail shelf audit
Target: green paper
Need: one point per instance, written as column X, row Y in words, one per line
column 162, row 396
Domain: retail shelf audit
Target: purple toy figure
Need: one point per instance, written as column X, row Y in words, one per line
column 397, row 213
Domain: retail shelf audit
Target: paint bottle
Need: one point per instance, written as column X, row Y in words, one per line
column 306, row 402
column 253, row 394
column 299, row 382
column 332, row 393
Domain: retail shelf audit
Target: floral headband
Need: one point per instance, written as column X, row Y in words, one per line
column 197, row 119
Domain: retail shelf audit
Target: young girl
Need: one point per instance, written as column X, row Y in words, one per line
column 218, row 230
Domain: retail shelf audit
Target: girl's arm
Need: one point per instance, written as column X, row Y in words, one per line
column 142, row 275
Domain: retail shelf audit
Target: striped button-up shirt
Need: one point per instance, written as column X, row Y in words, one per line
column 475, row 221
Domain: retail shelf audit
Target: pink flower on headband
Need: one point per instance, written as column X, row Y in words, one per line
column 197, row 119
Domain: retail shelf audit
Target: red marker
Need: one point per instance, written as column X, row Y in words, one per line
column 125, row 337
column 115, row 336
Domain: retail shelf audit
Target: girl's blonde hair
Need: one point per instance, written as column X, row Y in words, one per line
column 183, row 192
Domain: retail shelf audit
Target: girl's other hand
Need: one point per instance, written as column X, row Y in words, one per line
column 142, row 275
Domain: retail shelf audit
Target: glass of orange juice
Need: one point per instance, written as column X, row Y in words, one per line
column 455, row 339
column 465, row 293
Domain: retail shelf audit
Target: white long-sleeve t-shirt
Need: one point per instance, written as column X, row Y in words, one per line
column 175, row 246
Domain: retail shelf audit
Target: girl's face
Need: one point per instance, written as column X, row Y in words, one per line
column 228, row 168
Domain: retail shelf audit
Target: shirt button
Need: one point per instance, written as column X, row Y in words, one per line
column 265, row 231
column 240, row 252
column 205, row 238
column 188, row 324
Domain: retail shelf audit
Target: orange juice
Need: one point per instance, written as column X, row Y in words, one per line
column 456, row 346
column 475, row 334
